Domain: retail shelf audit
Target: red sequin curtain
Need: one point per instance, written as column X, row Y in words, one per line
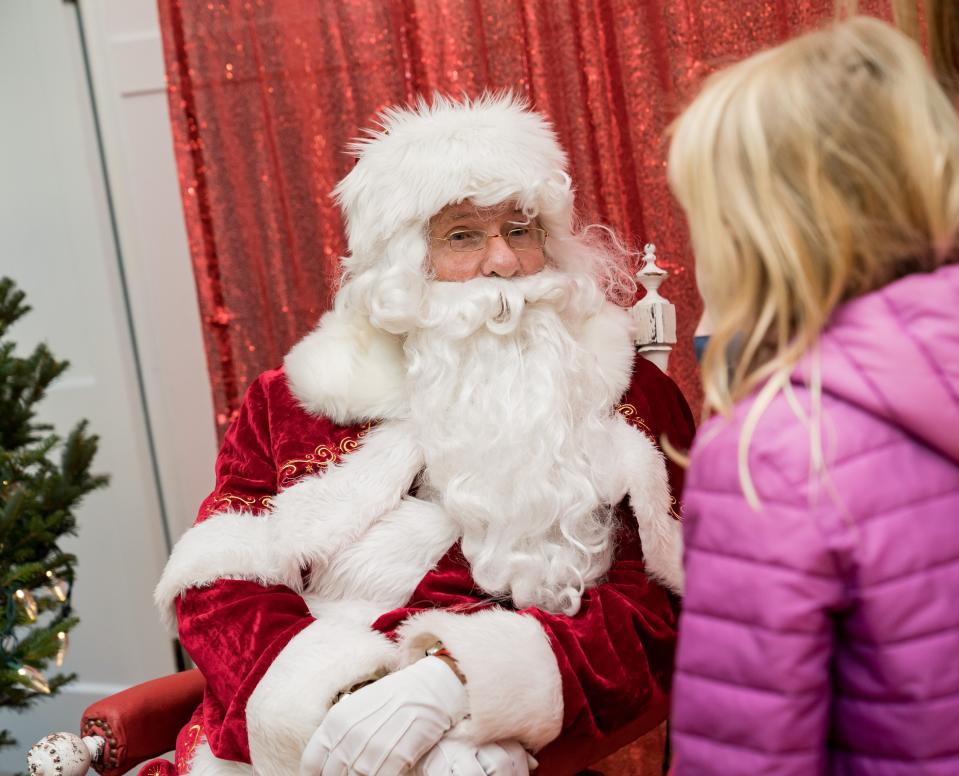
column 264, row 95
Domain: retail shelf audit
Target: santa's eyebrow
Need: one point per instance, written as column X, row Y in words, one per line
column 517, row 216
column 460, row 214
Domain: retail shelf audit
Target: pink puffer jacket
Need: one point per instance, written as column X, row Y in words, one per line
column 820, row 635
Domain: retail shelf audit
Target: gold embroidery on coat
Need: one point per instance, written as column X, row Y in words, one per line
column 322, row 457
column 629, row 412
column 245, row 502
column 185, row 756
column 230, row 498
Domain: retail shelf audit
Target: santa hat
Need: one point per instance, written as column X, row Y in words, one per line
column 488, row 150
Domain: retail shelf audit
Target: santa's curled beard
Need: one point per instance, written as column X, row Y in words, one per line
column 510, row 410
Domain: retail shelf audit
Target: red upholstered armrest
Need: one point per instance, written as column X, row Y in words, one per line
column 142, row 722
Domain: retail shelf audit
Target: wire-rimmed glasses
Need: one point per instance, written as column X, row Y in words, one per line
column 521, row 238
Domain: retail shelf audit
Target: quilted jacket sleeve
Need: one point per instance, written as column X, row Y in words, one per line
column 751, row 693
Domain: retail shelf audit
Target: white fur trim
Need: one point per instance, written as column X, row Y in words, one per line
column 310, row 523
column 391, row 558
column 320, row 516
column 641, row 474
column 609, row 336
column 348, row 371
column 347, row 610
column 376, row 573
column 204, row 763
column 228, row 545
column 297, row 690
column 513, row 682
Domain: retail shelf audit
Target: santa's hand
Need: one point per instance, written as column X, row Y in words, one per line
column 452, row 757
column 387, row 726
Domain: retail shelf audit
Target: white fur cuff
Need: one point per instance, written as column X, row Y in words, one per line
column 513, row 682
column 642, row 474
column 298, row 689
column 229, row 545
column 205, row 763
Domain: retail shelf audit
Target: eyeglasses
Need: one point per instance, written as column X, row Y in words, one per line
column 524, row 238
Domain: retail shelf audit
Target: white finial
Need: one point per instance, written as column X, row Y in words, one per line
column 64, row 754
column 655, row 316
column 651, row 275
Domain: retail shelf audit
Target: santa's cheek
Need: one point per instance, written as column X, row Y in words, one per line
column 533, row 263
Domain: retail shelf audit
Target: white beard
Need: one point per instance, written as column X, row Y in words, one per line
column 509, row 409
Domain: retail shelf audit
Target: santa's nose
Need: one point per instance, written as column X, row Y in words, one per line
column 500, row 259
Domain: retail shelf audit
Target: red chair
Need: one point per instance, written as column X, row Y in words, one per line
column 124, row 730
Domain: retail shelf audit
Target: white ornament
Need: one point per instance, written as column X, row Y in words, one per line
column 64, row 754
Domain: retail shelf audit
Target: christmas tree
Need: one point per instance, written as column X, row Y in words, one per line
column 42, row 480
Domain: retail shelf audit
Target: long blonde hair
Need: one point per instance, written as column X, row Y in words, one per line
column 810, row 173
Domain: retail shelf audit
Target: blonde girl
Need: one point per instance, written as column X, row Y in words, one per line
column 820, row 629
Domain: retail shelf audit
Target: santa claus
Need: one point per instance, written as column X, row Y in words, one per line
column 442, row 537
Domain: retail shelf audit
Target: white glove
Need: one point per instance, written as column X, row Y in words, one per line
column 453, row 757
column 385, row 728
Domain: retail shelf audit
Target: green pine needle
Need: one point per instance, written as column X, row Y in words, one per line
column 43, row 479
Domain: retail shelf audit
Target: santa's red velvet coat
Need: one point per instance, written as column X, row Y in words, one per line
column 278, row 630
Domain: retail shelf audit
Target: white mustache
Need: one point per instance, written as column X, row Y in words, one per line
column 461, row 309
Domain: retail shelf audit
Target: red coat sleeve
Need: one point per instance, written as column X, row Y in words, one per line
column 245, row 466
column 616, row 655
column 234, row 629
column 271, row 667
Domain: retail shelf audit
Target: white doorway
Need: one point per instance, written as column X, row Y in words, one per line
column 91, row 229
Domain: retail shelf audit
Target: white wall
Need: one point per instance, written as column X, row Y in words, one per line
column 126, row 61
column 57, row 241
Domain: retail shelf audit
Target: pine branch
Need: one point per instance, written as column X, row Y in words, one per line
column 12, row 307
column 43, row 479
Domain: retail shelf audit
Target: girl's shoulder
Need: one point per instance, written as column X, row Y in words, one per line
column 792, row 440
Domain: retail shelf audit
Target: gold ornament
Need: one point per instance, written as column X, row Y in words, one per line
column 34, row 679
column 27, row 603
column 57, row 586
column 64, row 640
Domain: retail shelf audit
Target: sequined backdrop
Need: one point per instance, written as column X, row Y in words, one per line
column 264, row 95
